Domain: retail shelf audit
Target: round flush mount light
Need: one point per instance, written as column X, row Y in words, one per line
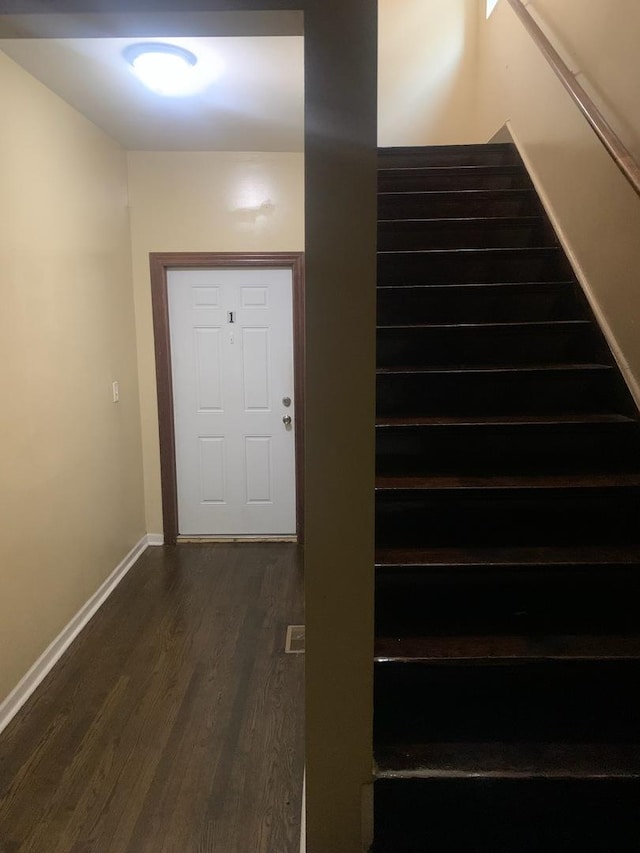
column 166, row 69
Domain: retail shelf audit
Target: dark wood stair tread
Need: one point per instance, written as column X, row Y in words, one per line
column 516, row 325
column 491, row 649
column 459, row 194
column 434, row 179
column 504, row 151
column 492, row 368
column 508, row 760
column 467, row 169
column 524, row 481
column 410, row 203
column 493, row 420
column 464, row 558
column 472, row 286
column 490, row 251
column 455, row 221
column 449, row 221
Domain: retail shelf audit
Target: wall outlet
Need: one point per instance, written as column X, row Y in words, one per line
column 116, row 392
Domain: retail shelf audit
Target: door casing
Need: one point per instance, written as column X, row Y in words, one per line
column 160, row 263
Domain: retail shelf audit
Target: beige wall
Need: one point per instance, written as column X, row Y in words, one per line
column 597, row 213
column 427, row 71
column 202, row 202
column 71, row 501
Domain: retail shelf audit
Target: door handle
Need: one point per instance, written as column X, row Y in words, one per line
column 286, row 420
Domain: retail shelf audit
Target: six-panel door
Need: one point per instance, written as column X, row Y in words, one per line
column 232, row 371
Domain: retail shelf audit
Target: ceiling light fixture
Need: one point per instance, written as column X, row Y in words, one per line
column 164, row 68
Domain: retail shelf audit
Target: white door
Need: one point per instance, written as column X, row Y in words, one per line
column 232, row 367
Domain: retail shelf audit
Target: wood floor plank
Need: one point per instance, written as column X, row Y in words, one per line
column 174, row 723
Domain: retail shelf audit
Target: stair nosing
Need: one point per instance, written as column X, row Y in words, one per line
column 477, row 250
column 517, row 648
column 568, row 366
column 425, row 773
column 462, row 192
column 525, row 482
column 519, row 324
column 531, row 765
column 516, row 168
column 446, row 146
column 502, row 420
column 449, row 220
column 511, row 284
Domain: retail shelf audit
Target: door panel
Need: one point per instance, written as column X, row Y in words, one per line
column 232, row 364
column 258, row 468
column 212, row 474
column 209, row 369
column 256, row 369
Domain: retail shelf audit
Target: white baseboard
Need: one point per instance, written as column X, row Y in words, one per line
column 10, row 706
column 155, row 539
column 618, row 355
column 367, row 816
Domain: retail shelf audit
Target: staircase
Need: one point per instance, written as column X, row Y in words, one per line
column 507, row 668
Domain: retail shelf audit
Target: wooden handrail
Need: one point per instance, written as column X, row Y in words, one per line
column 620, row 154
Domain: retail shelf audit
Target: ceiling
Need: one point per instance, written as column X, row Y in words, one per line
column 256, row 104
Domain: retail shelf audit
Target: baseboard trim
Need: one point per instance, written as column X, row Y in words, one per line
column 154, row 539
column 10, row 706
column 303, row 815
column 621, row 361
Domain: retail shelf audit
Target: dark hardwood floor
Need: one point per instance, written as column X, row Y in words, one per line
column 174, row 724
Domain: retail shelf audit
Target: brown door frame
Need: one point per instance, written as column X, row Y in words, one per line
column 160, row 263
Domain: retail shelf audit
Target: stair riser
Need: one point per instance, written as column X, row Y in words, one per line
column 500, row 393
column 507, row 449
column 507, row 517
column 507, row 816
column 568, row 701
column 510, row 600
column 479, row 304
column 449, row 155
column 409, row 235
column 459, row 346
column 433, row 205
column 472, row 267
